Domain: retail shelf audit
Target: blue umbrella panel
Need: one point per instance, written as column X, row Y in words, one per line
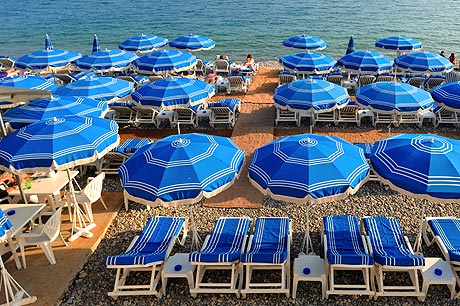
column 310, row 43
column 426, row 62
column 143, row 43
column 193, row 42
column 448, row 95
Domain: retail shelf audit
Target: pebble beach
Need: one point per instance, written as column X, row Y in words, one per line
column 92, row 284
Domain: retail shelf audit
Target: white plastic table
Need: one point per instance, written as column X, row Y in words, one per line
column 177, row 266
column 165, row 115
column 315, row 264
column 23, row 214
column 433, row 264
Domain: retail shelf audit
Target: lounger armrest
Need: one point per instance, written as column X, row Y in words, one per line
column 324, row 245
column 443, row 248
column 369, row 245
column 131, row 244
column 408, row 244
column 366, row 248
column 185, row 229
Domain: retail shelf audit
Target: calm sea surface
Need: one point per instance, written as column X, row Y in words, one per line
column 238, row 27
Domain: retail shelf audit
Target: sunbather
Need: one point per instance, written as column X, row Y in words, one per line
column 249, row 63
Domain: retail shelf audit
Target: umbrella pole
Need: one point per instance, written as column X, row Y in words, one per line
column 2, row 125
column 418, row 242
column 195, row 238
column 14, row 293
column 21, row 191
column 82, row 229
column 306, row 243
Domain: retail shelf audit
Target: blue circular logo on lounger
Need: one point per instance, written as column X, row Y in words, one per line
column 177, row 268
column 306, row 270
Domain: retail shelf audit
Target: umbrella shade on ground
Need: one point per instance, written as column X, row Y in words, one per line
column 193, row 42
column 398, row 43
column 394, row 97
column 350, row 46
column 426, row 62
column 309, row 94
column 181, row 169
column 57, row 144
column 448, row 95
column 314, row 63
column 29, row 82
column 106, row 60
column 47, row 58
column 308, row 169
column 172, row 93
column 164, row 61
column 101, row 88
column 143, row 43
column 56, row 106
column 365, row 62
column 310, row 43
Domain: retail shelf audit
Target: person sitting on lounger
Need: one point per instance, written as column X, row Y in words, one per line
column 249, row 63
column 452, row 58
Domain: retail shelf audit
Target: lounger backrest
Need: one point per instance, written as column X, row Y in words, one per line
column 384, row 233
column 269, row 232
column 343, row 233
column 130, row 145
column 228, row 232
column 448, row 230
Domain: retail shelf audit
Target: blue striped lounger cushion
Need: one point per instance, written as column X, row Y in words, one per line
column 269, row 244
column 449, row 232
column 225, row 242
column 388, row 244
column 130, row 145
column 152, row 244
column 344, row 243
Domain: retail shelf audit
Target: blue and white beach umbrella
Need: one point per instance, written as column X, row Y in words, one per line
column 394, row 97
column 48, row 58
column 181, row 169
column 56, row 106
column 310, row 43
column 143, row 43
column 314, row 63
column 29, row 82
column 308, row 169
column 193, row 42
column 172, row 93
column 448, row 95
column 101, row 88
column 309, row 94
column 106, row 61
column 426, row 62
column 365, row 62
column 398, row 43
column 57, row 144
column 424, row 166
column 164, row 61
column 95, row 44
column 350, row 46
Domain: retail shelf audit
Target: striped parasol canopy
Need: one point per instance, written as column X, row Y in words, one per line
column 142, row 44
column 193, row 42
column 448, row 95
column 313, row 62
column 28, row 81
column 165, row 61
column 365, row 62
column 398, row 43
column 423, row 62
column 106, row 60
column 310, row 43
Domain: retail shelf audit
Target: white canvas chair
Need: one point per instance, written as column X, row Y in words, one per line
column 221, row 66
column 346, row 249
column 185, row 116
column 385, row 118
column 90, row 194
column 392, row 252
column 432, row 82
column 348, row 113
column 416, row 81
column 445, row 115
column 336, row 79
column 285, row 115
column 145, row 114
column 365, row 80
column 238, row 83
column 329, row 116
column 43, row 235
column 147, row 252
column 445, row 232
column 124, row 112
column 221, row 251
column 408, row 118
column 224, row 111
column 285, row 78
column 200, row 68
column 268, row 249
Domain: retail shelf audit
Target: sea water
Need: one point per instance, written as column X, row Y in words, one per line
column 238, row 27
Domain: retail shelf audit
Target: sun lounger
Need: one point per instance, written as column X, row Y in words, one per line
column 286, row 116
column 446, row 115
column 446, row 234
column 432, row 82
column 238, row 83
column 221, row 66
column 221, row 251
column 124, row 112
column 416, row 81
column 147, row 252
column 145, row 114
column 286, row 77
column 365, row 80
column 392, row 252
column 336, row 79
column 224, row 111
column 186, row 115
column 384, row 78
column 346, row 249
column 268, row 249
column 348, row 113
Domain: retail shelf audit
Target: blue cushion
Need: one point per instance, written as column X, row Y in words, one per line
column 448, row 230
column 230, row 103
column 344, row 243
column 130, row 145
column 388, row 244
column 269, row 244
column 152, row 244
column 225, row 241
column 122, row 104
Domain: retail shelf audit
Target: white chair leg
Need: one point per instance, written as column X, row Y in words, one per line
column 88, row 211
column 48, row 250
column 23, row 254
column 103, row 203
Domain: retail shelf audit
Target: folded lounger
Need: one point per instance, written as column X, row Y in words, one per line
column 392, row 252
column 221, row 251
column 446, row 233
column 345, row 249
column 147, row 252
column 268, row 249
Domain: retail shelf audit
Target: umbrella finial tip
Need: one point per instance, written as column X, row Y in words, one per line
column 432, row 139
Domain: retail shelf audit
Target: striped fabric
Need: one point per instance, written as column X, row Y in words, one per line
column 269, row 244
column 152, row 244
column 5, row 224
column 366, row 146
column 448, row 230
column 231, row 103
column 225, row 243
column 130, row 145
column 388, row 244
column 344, row 243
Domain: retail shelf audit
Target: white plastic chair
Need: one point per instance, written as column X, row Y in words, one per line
column 43, row 235
column 90, row 194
